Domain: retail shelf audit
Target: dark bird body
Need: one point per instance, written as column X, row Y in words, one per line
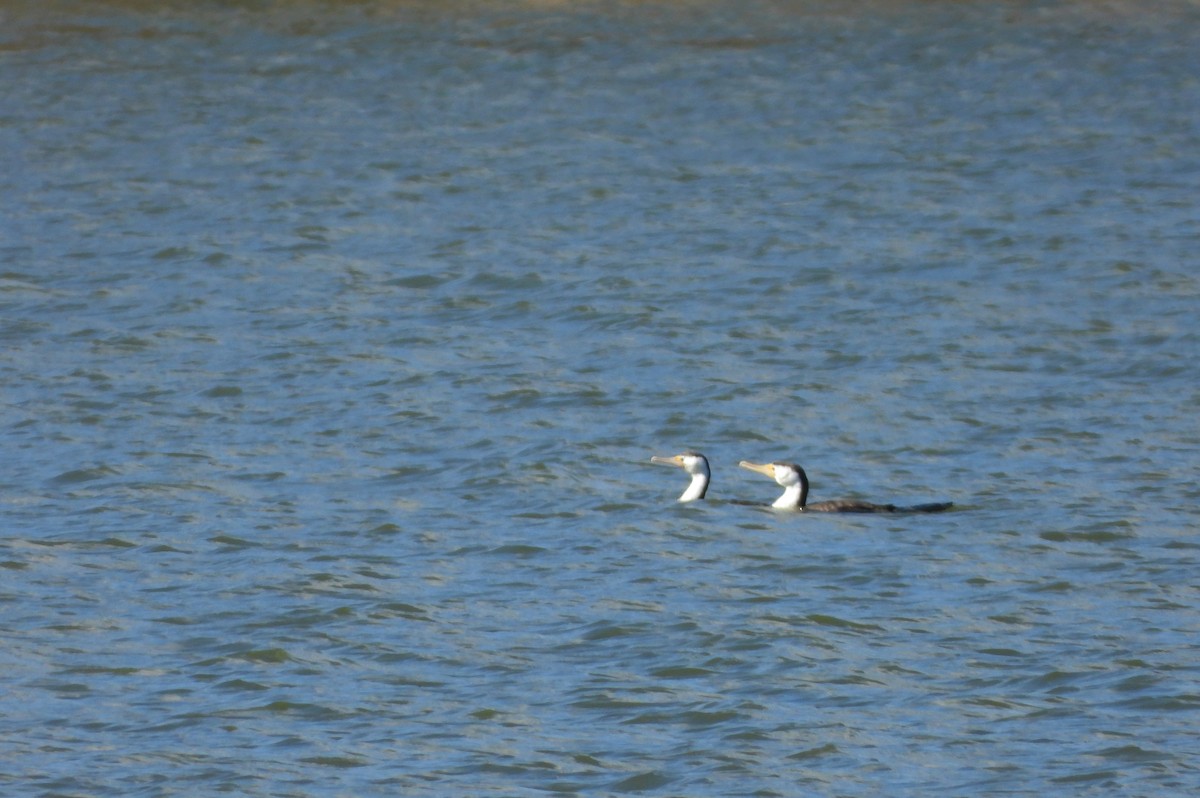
column 794, row 482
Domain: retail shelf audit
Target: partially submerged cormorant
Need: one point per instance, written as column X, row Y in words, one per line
column 794, row 482
column 696, row 465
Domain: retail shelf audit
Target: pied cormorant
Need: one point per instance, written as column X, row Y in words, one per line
column 794, row 482
column 696, row 465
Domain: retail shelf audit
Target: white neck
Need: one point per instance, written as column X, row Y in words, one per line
column 790, row 500
column 696, row 489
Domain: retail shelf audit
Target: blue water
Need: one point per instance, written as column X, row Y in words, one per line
column 336, row 339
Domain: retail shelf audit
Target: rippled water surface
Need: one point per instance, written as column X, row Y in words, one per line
column 336, row 339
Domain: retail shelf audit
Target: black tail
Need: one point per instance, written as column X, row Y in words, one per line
column 933, row 507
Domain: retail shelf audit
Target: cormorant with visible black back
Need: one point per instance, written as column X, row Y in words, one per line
column 794, row 482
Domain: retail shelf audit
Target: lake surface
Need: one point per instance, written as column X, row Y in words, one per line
column 335, row 339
